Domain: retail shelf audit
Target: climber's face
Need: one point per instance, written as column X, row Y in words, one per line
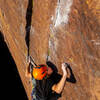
column 49, row 71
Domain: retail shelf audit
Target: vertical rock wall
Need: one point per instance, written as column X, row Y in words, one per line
column 12, row 26
column 66, row 31
column 69, row 31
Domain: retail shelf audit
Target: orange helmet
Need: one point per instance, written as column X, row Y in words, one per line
column 39, row 72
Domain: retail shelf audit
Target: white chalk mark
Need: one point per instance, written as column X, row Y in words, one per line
column 53, row 44
column 62, row 12
column 96, row 42
column 32, row 30
column 60, row 18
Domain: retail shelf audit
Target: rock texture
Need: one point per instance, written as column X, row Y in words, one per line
column 65, row 30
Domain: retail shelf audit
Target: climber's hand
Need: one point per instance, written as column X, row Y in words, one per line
column 64, row 68
column 28, row 59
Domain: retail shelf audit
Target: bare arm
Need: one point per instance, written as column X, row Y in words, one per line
column 59, row 87
column 27, row 72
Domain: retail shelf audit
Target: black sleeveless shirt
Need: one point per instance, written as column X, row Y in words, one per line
column 44, row 88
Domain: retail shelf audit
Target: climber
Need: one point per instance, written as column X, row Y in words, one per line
column 43, row 86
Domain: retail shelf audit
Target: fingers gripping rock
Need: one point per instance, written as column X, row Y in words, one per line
column 64, row 68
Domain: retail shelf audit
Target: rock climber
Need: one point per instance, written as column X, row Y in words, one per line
column 44, row 87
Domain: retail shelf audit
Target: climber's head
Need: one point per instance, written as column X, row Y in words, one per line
column 41, row 71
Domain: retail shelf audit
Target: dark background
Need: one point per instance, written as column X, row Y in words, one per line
column 11, row 85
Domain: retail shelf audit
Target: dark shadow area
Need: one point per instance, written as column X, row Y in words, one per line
column 57, row 76
column 11, row 85
column 72, row 78
column 28, row 23
column 50, row 64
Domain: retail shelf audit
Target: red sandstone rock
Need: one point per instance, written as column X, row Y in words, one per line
column 68, row 30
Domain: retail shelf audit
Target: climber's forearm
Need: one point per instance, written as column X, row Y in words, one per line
column 61, row 84
column 27, row 72
column 59, row 87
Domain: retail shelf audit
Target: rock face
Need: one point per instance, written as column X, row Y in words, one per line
column 65, row 31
